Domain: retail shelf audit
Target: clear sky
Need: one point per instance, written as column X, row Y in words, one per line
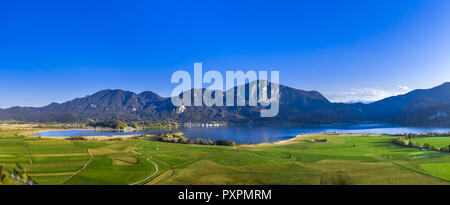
column 54, row 51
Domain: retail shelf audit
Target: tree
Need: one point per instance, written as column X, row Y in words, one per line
column 3, row 175
column 445, row 149
column 24, row 176
column 400, row 140
column 434, row 148
column 225, row 142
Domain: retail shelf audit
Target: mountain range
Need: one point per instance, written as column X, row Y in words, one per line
column 422, row 107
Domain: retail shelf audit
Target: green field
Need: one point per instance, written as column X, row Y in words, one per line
column 344, row 159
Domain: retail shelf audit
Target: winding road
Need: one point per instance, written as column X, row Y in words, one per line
column 153, row 174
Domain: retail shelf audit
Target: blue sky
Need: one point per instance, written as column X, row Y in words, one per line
column 54, row 51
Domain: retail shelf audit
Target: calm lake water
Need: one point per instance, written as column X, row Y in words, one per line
column 251, row 135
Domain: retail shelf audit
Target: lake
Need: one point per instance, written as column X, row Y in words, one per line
column 252, row 135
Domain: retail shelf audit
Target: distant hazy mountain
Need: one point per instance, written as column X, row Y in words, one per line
column 415, row 107
column 428, row 107
column 425, row 112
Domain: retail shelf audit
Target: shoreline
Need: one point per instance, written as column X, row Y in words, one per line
column 33, row 132
column 109, row 137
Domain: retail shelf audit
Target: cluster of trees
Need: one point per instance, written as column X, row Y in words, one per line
column 225, row 142
column 6, row 179
column 404, row 141
column 174, row 137
column 113, row 124
column 138, row 125
column 77, row 138
column 445, row 148
column 177, row 137
column 216, row 142
column 4, row 176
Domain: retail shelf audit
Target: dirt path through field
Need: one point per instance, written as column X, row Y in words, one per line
column 153, row 174
column 91, row 158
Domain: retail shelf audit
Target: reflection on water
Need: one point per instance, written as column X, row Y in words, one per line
column 251, row 135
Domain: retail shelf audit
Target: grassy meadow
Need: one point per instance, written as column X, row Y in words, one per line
column 344, row 159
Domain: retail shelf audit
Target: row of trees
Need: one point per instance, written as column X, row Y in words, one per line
column 428, row 134
column 177, row 137
column 403, row 141
column 5, row 179
column 76, row 138
column 225, row 142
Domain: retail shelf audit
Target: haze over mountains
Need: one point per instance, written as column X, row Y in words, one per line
column 422, row 107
